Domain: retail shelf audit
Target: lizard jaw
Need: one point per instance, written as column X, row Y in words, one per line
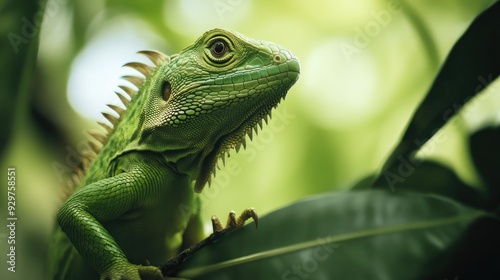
column 234, row 140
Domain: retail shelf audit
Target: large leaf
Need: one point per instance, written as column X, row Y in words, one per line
column 430, row 177
column 485, row 152
column 355, row 235
column 472, row 64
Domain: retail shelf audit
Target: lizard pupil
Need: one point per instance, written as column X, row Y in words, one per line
column 218, row 49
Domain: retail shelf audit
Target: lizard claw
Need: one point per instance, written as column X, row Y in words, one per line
column 216, row 224
column 247, row 214
column 127, row 271
column 233, row 222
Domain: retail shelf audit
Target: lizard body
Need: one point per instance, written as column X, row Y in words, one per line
column 189, row 111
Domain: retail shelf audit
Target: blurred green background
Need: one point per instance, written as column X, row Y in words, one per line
column 366, row 65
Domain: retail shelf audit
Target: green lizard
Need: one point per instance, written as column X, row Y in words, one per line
column 188, row 112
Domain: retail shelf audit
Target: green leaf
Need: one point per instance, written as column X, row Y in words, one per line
column 352, row 235
column 472, row 64
column 433, row 178
column 485, row 152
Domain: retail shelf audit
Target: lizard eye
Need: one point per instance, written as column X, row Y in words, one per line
column 218, row 49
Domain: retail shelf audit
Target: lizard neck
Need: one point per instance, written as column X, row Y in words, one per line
column 188, row 156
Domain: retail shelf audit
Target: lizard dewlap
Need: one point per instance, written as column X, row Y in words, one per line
column 135, row 204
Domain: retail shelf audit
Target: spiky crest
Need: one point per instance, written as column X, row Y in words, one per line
column 88, row 156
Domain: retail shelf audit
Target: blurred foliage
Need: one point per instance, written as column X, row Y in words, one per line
column 366, row 65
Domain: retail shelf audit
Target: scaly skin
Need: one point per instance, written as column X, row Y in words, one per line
column 137, row 203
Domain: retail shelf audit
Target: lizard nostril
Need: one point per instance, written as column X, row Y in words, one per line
column 277, row 58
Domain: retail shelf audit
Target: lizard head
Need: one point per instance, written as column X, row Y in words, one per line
column 206, row 100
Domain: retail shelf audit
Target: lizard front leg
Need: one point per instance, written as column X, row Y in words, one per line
column 83, row 215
